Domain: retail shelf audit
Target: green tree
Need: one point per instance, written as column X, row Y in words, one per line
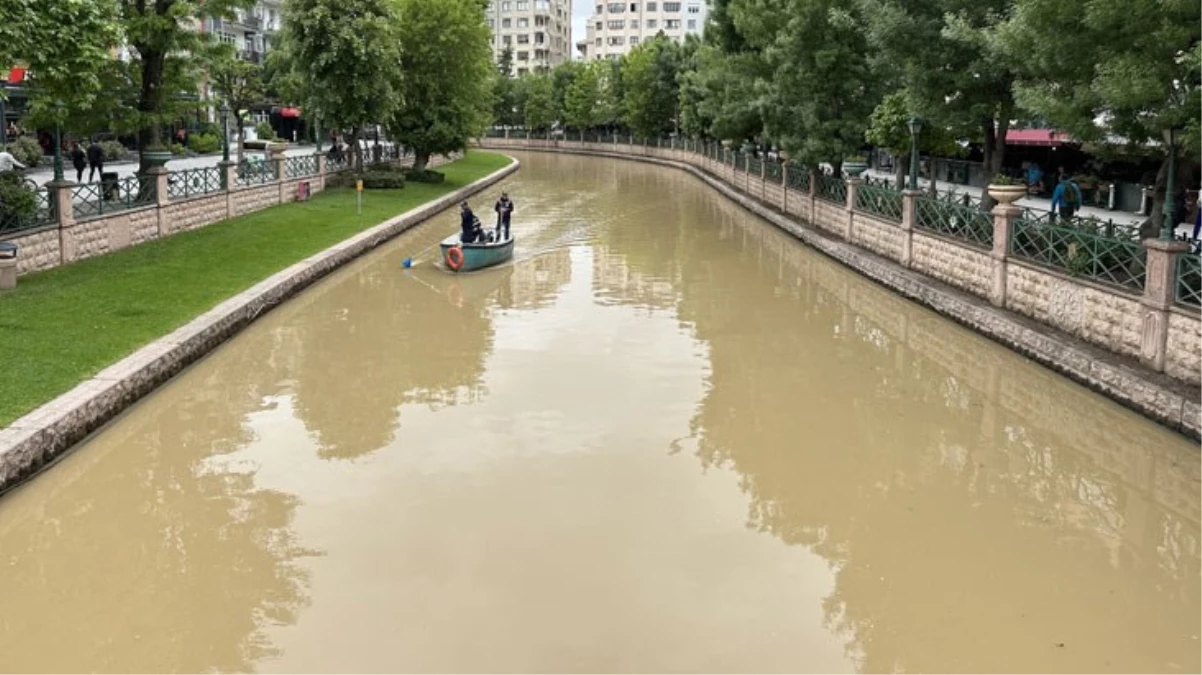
column 538, row 106
column 239, row 83
column 718, row 97
column 69, row 72
column 952, row 74
column 347, row 52
column 562, row 77
column 583, row 101
column 445, row 94
column 1112, row 72
column 889, row 129
column 823, row 86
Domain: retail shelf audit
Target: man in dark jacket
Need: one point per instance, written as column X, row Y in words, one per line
column 468, row 223
column 95, row 160
column 504, row 209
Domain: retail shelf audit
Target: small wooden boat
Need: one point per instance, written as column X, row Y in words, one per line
column 468, row 257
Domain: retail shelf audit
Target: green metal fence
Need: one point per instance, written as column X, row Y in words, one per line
column 953, row 219
column 772, row 170
column 1081, row 253
column 256, row 173
column 831, row 189
column 798, row 179
column 37, row 210
column 97, row 199
column 306, row 165
column 754, row 165
column 192, row 182
column 1189, row 280
column 880, row 201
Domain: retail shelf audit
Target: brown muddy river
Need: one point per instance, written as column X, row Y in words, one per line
column 667, row 438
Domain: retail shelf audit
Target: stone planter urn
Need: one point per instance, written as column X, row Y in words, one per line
column 727, row 144
column 854, row 167
column 155, row 158
column 274, row 149
column 1007, row 194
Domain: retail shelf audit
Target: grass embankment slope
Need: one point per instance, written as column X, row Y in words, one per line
column 62, row 326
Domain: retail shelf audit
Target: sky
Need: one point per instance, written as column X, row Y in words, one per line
column 581, row 10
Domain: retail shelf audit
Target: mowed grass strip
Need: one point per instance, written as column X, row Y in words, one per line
column 64, row 325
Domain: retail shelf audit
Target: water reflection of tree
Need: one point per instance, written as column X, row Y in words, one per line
column 844, row 436
column 204, row 560
column 372, row 344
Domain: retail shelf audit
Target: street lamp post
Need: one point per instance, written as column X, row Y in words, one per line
column 58, row 141
column 915, row 125
column 224, row 111
column 1168, row 225
column 317, row 131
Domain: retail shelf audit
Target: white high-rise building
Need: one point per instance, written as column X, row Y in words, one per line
column 616, row 27
column 538, row 31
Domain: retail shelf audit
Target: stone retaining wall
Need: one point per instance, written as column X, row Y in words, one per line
column 1098, row 336
column 72, row 239
column 41, row 436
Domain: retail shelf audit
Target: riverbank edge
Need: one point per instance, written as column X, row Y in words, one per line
column 1154, row 395
column 35, row 440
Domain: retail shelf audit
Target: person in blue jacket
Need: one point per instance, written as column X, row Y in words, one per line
column 1066, row 200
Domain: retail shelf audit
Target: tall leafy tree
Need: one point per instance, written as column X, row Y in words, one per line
column 823, row 87
column 562, row 77
column 1112, row 72
column 239, row 83
column 583, row 102
column 347, row 52
column 538, row 109
column 889, row 128
column 506, row 95
column 69, row 71
column 952, row 74
column 445, row 94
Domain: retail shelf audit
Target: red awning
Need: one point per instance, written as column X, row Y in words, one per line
column 290, row 112
column 16, row 74
column 1046, row 137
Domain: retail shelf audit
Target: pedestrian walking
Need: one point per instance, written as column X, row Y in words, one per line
column 79, row 160
column 1067, row 198
column 95, row 161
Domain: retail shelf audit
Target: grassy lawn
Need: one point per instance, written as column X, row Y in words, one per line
column 61, row 326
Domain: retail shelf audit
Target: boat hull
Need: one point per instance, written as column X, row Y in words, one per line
column 477, row 256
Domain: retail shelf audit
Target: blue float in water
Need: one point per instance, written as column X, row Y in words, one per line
column 407, row 263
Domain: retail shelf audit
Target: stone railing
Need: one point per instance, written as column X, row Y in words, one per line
column 97, row 218
column 1127, row 298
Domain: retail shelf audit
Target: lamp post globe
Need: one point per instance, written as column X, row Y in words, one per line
column 915, row 125
column 1169, row 222
column 224, row 111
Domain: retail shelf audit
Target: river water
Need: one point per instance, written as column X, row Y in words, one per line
column 667, row 438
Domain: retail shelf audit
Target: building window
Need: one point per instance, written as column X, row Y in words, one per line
column 505, row 6
column 506, row 39
column 600, row 25
column 650, row 23
column 523, row 56
column 599, row 42
column 651, row 7
column 540, row 39
column 523, row 39
column 522, row 71
column 599, row 8
column 523, row 23
column 506, row 23
column 634, row 23
column 694, row 9
column 671, row 23
column 615, row 25
column 634, row 6
column 669, row 6
column 634, row 39
column 523, row 5
column 542, row 6
column 616, row 7
column 692, row 24
column 615, row 40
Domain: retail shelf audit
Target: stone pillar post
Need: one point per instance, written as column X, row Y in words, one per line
column 909, row 217
column 162, row 195
column 853, row 184
column 746, row 175
column 280, row 168
column 321, row 170
column 60, row 195
column 784, row 186
column 763, row 180
column 1160, row 290
column 506, row 133
column 229, row 179
column 814, row 197
column 1004, row 216
column 8, row 269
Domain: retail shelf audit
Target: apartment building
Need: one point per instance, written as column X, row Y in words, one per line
column 616, row 27
column 538, row 31
column 251, row 31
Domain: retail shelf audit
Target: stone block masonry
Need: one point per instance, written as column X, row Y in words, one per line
column 1143, row 350
column 38, row 438
column 71, row 239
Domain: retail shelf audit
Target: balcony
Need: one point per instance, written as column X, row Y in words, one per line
column 250, row 56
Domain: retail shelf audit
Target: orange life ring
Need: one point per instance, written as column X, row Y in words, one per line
column 455, row 258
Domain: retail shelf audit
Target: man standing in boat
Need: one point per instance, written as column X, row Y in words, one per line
column 468, row 223
column 504, row 209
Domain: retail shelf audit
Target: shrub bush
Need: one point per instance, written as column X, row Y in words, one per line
column 27, row 151
column 204, row 143
column 424, row 176
column 264, row 131
column 382, row 180
column 113, row 151
column 18, row 201
column 178, row 150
